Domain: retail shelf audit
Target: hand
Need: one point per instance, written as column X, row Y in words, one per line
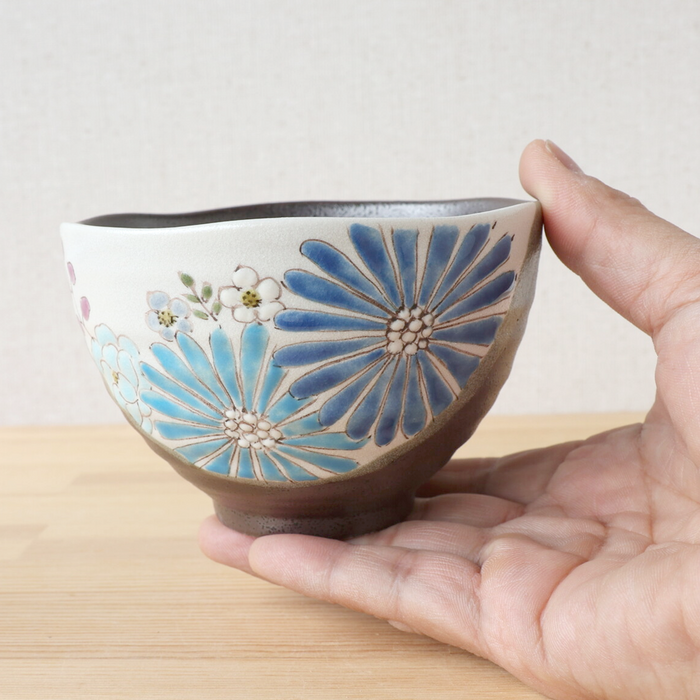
column 575, row 567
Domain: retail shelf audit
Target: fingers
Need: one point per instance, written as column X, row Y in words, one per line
column 433, row 593
column 224, row 545
column 582, row 539
column 458, row 524
column 520, row 478
column 467, row 509
column 462, row 540
column 642, row 266
column 459, row 476
column 430, row 592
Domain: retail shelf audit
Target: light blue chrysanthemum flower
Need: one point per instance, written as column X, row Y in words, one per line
column 227, row 415
column 118, row 360
column 412, row 333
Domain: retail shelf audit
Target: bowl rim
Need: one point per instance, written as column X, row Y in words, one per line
column 399, row 209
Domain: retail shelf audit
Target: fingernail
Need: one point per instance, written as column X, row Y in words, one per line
column 562, row 157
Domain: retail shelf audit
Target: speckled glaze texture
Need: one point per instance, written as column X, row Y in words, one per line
column 308, row 365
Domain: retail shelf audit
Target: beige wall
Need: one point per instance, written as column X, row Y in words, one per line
column 172, row 105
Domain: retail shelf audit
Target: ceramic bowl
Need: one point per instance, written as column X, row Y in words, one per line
column 308, row 365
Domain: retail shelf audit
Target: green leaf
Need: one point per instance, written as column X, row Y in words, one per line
column 192, row 298
column 216, row 307
column 200, row 314
column 206, row 292
column 186, row 279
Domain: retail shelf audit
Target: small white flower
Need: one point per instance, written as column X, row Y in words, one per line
column 167, row 316
column 251, row 298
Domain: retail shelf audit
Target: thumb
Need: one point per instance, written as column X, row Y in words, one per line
column 642, row 266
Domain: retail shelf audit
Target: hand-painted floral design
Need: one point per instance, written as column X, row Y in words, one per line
column 84, row 309
column 167, row 316
column 224, row 412
column 118, row 360
column 81, row 306
column 251, row 298
column 405, row 333
column 203, row 298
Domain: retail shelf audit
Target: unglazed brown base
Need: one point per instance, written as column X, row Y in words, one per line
column 333, row 526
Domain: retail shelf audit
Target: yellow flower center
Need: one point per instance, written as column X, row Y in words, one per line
column 251, row 298
column 166, row 318
column 115, row 377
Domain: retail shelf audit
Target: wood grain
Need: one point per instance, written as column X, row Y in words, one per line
column 104, row 593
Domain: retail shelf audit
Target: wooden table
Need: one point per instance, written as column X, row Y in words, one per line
column 104, row 593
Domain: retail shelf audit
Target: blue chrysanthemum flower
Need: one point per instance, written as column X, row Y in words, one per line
column 228, row 416
column 407, row 333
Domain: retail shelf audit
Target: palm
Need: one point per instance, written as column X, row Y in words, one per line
column 576, row 566
column 575, row 547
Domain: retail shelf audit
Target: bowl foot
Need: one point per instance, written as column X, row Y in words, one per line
column 333, row 526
